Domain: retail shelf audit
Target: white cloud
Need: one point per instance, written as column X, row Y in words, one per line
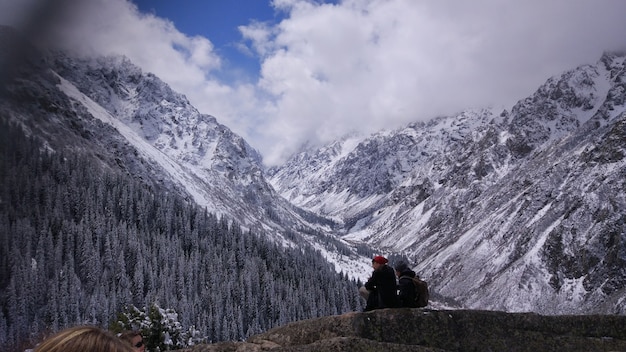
column 259, row 34
column 373, row 64
column 116, row 27
column 360, row 64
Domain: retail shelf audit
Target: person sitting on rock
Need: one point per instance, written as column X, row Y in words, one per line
column 380, row 291
column 406, row 287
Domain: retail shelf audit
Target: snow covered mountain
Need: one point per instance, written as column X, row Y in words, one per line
column 108, row 108
column 518, row 211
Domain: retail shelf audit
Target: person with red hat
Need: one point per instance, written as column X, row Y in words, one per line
column 380, row 290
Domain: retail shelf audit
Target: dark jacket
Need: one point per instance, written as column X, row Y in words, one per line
column 406, row 289
column 382, row 287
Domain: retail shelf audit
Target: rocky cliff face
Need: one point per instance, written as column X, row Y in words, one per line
column 431, row 330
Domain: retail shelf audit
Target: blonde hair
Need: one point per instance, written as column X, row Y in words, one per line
column 83, row 338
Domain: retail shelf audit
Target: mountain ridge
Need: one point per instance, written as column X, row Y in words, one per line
column 498, row 202
column 514, row 210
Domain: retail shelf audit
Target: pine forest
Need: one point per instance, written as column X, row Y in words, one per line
column 79, row 243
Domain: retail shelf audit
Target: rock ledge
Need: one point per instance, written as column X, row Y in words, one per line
column 392, row 330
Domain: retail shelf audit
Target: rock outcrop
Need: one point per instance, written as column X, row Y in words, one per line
column 393, row 330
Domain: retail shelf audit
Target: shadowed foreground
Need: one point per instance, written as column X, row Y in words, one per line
column 393, row 330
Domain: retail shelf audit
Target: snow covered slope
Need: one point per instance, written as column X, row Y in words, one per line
column 108, row 109
column 515, row 210
column 519, row 210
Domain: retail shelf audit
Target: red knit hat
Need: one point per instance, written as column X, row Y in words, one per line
column 380, row 259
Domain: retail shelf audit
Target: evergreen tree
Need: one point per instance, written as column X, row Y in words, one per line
column 78, row 243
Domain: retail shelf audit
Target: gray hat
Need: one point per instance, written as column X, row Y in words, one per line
column 401, row 267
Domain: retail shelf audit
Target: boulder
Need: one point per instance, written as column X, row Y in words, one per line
column 407, row 329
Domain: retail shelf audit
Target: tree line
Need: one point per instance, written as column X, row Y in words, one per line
column 79, row 243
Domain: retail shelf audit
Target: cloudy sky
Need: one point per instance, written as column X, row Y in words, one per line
column 285, row 72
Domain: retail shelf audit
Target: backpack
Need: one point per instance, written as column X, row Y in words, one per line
column 421, row 291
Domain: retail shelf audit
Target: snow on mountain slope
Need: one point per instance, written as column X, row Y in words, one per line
column 353, row 184
column 520, row 210
column 175, row 170
column 319, row 164
column 515, row 210
column 107, row 109
column 216, row 167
